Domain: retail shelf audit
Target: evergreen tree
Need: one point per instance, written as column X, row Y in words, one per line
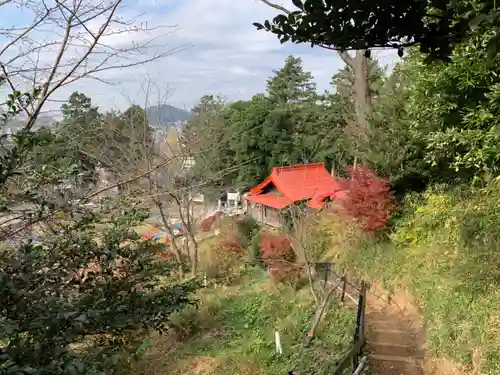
column 254, row 139
column 291, row 84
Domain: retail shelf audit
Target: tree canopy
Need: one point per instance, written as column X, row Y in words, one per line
column 426, row 122
column 288, row 124
column 436, row 26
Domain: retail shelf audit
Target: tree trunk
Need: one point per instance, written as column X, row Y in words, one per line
column 319, row 313
column 362, row 92
column 192, row 236
column 363, row 105
column 174, row 245
column 194, row 269
column 183, row 204
column 361, row 97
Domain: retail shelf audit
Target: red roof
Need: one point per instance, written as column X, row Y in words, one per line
column 270, row 200
column 296, row 183
column 318, row 201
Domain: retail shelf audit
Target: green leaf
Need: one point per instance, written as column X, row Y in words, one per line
column 284, row 39
column 493, row 47
column 259, row 26
column 476, row 21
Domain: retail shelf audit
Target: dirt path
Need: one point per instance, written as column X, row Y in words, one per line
column 396, row 337
column 395, row 340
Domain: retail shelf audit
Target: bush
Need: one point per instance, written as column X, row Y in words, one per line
column 254, row 251
column 290, row 274
column 369, row 201
column 246, row 229
column 167, row 255
column 46, row 312
column 185, row 323
column 220, row 260
column 276, row 248
column 278, row 255
column 239, row 235
column 231, row 244
column 315, row 237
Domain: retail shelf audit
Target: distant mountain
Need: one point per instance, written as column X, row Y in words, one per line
column 162, row 115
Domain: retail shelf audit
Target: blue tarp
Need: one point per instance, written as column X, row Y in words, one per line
column 159, row 235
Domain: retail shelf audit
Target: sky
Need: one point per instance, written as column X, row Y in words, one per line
column 210, row 47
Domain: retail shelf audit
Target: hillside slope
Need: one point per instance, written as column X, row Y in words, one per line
column 444, row 253
column 233, row 333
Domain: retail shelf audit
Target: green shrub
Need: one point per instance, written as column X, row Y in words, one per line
column 247, row 232
column 254, row 250
column 84, row 286
column 246, row 228
column 185, row 323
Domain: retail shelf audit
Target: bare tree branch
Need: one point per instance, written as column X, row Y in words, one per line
column 65, row 41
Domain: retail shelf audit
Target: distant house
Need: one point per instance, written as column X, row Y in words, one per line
column 230, row 202
column 290, row 185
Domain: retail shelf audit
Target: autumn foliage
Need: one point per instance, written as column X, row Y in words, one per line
column 369, row 201
column 207, row 223
column 278, row 255
column 276, row 248
column 232, row 243
column 166, row 256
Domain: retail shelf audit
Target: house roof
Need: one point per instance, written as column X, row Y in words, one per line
column 298, row 182
column 318, row 200
column 270, row 200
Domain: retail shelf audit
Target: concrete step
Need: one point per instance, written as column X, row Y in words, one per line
column 392, row 349
column 394, row 365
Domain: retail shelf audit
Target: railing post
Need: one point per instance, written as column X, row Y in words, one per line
column 362, row 325
column 359, row 331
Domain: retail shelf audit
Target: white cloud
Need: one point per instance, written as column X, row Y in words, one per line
column 224, row 53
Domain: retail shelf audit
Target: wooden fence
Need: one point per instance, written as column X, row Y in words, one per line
column 353, row 360
column 354, row 357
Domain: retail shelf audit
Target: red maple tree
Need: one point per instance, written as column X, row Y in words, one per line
column 369, row 200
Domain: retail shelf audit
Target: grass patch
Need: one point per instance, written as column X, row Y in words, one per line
column 232, row 332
